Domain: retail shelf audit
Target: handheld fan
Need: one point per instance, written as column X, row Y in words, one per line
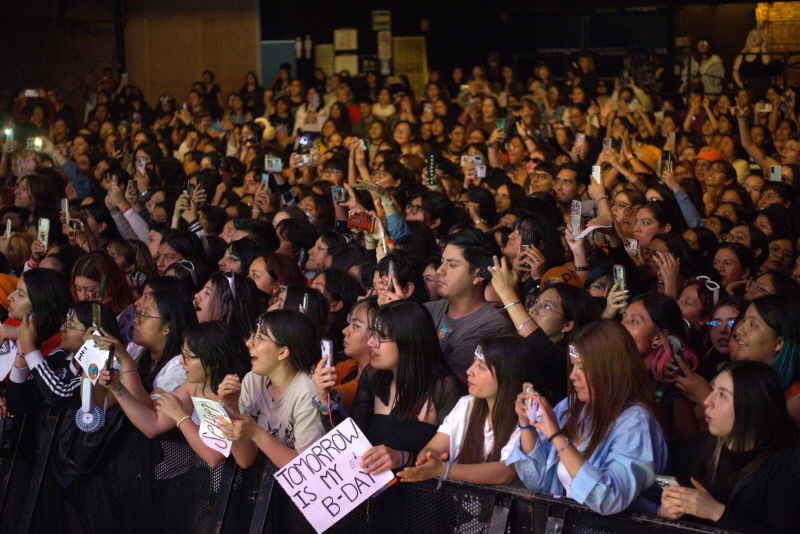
column 89, row 418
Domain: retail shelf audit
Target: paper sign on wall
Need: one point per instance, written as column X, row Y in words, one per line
column 8, row 351
column 92, row 360
column 210, row 433
column 326, row 481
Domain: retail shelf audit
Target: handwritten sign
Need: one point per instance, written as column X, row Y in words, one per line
column 210, row 432
column 326, row 481
column 92, row 360
column 8, row 351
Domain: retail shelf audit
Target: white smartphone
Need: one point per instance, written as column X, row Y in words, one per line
column 632, row 245
column 533, row 406
column 775, row 173
column 8, row 228
column 65, row 210
column 327, row 351
column 671, row 138
column 44, row 231
column 619, row 276
column 390, row 276
column 667, row 481
column 575, row 218
column 597, row 174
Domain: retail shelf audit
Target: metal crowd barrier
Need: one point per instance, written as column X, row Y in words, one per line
column 143, row 486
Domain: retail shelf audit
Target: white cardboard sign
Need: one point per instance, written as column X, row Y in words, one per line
column 210, row 432
column 8, row 351
column 92, row 360
column 326, row 481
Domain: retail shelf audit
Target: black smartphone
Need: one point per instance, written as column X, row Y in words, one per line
column 487, row 262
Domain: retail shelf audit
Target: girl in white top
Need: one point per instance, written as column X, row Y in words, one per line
column 211, row 351
column 271, row 408
column 478, row 435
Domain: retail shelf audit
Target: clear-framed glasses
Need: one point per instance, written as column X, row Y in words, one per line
column 598, row 286
column 535, row 306
column 229, row 276
column 778, row 250
column 627, row 209
column 755, row 288
column 716, row 323
column 413, row 209
column 188, row 355
column 189, row 266
column 711, row 286
column 254, row 334
column 68, row 322
column 375, row 337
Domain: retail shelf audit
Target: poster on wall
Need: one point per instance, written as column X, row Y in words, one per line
column 345, row 39
column 348, row 62
column 323, row 58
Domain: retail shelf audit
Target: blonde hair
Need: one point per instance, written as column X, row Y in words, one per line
column 19, row 250
column 764, row 39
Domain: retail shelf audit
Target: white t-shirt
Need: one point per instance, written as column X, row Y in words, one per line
column 291, row 419
column 169, row 378
column 455, row 425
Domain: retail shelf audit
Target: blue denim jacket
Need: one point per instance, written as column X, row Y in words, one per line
column 622, row 467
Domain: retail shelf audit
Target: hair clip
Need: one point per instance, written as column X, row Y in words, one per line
column 479, row 352
column 573, row 352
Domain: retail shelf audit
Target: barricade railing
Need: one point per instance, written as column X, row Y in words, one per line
column 147, row 486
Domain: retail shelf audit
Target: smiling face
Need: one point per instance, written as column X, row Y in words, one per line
column 755, row 339
column 265, row 354
column 195, row 372
column 719, row 412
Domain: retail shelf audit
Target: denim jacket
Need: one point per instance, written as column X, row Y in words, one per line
column 622, row 467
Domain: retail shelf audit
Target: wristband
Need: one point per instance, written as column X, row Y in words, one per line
column 529, row 427
column 507, row 306
column 446, row 473
column 567, row 444
column 559, row 433
column 182, row 419
column 582, row 268
column 526, row 321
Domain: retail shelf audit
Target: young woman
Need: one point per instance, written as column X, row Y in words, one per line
column 742, row 471
column 56, row 379
column 733, row 262
column 770, row 333
column 211, row 351
column 271, row 272
column 231, row 298
column 159, row 325
column 476, row 438
column 607, row 463
column 408, row 389
column 277, row 392
column 341, row 381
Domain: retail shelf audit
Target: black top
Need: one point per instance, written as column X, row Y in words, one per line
column 766, row 502
column 387, row 430
column 551, row 361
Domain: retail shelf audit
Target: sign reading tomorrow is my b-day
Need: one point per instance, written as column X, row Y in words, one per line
column 326, row 481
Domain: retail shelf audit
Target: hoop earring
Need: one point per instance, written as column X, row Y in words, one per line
column 655, row 344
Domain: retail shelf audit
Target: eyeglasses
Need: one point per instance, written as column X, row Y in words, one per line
column 627, row 209
column 413, row 209
column 229, row 276
column 540, row 176
column 67, row 322
column 755, row 288
column 737, row 237
column 187, row 355
column 376, row 338
column 189, row 266
column 598, row 286
column 254, row 335
column 533, row 305
column 778, row 250
column 138, row 316
column 717, row 323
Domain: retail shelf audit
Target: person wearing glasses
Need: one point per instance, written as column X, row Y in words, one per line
column 56, row 378
column 151, row 364
column 211, row 352
column 603, row 445
column 271, row 408
column 771, row 283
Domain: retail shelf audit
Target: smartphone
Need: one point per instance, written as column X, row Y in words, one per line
column 431, row 170
column 117, row 146
column 114, row 180
column 8, row 228
column 10, row 136
column 667, row 481
column 619, row 276
column 671, row 138
column 597, row 174
column 265, row 180
column 31, row 93
column 500, row 124
column 480, row 171
column 102, row 292
column 43, row 232
column 141, row 165
column 666, row 162
column 65, row 151
column 305, row 160
column 580, row 139
column 134, row 188
column 676, row 347
column 97, row 314
column 533, row 405
column 273, row 164
column 427, row 108
column 486, row 272
column 123, row 77
column 302, row 257
column 632, row 245
column 305, row 302
column 390, row 277
column 65, row 210
column 606, row 143
column 315, row 101
column 137, row 118
column 339, row 194
column 775, row 173
column 526, row 235
column 467, row 160
column 188, row 190
column 767, row 108
column 327, row 351
column 575, row 217
column 110, row 359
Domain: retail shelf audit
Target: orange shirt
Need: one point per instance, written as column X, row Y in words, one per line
column 348, row 390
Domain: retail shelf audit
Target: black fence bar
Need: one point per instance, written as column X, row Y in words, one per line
column 147, row 486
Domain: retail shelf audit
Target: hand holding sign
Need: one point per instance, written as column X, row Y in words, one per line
column 213, row 416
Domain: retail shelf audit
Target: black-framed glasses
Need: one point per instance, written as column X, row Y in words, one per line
column 138, row 316
column 376, row 338
column 413, row 209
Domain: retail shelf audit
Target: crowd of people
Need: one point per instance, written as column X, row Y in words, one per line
column 584, row 286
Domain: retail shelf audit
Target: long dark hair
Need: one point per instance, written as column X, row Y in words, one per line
column 509, row 358
column 221, row 351
column 238, row 310
column 176, row 309
column 420, row 362
column 108, row 319
column 296, row 332
column 50, row 301
column 761, row 425
column 781, row 314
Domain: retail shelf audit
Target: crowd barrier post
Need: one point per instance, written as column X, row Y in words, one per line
column 8, row 464
column 42, row 458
